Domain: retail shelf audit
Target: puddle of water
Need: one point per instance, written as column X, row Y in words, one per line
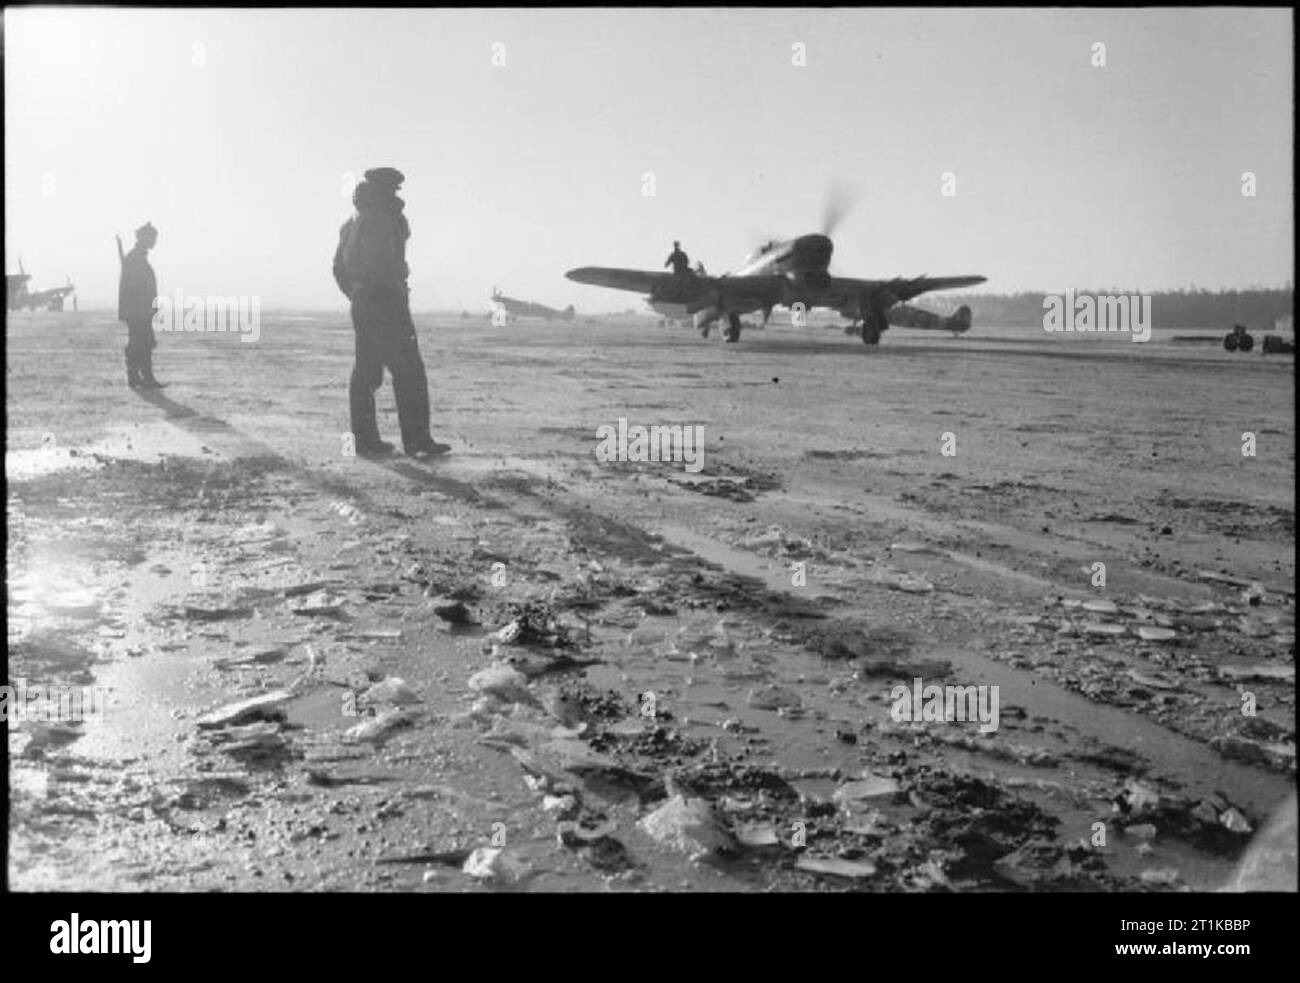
column 136, row 722
column 24, row 465
column 147, row 443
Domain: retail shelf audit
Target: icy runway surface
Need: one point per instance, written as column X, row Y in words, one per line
column 521, row 667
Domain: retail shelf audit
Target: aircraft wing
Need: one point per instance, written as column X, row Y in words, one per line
column 739, row 293
column 642, row 281
column 743, row 294
column 848, row 291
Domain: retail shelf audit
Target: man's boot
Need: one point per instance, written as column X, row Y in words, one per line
column 411, row 389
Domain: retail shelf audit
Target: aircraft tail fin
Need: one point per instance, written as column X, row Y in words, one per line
column 960, row 321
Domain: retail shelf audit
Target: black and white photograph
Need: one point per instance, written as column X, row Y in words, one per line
column 638, row 451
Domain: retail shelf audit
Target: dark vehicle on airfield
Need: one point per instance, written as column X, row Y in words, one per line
column 1281, row 341
column 1238, row 338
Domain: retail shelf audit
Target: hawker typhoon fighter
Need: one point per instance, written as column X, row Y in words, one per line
column 793, row 273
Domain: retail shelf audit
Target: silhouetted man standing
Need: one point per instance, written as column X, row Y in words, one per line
column 137, row 289
column 370, row 268
column 681, row 263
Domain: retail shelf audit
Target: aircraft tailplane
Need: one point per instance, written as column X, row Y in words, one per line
column 960, row 321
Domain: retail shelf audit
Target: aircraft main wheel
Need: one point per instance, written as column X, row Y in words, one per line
column 1230, row 342
column 732, row 334
column 1246, row 343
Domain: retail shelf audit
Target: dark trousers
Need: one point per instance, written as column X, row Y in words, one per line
column 140, row 343
column 385, row 335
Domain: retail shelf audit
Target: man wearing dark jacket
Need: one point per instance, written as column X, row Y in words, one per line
column 137, row 288
column 681, row 263
column 370, row 268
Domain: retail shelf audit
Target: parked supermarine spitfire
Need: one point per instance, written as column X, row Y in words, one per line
column 526, row 308
column 19, row 297
column 787, row 273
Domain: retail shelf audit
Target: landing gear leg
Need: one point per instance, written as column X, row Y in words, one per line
column 733, row 328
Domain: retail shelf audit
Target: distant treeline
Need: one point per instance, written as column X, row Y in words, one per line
column 1255, row 308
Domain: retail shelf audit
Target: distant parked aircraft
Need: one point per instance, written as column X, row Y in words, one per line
column 20, row 298
column 526, row 308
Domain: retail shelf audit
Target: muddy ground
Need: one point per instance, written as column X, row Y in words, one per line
column 520, row 668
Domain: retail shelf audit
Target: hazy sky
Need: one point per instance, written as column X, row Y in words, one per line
column 233, row 132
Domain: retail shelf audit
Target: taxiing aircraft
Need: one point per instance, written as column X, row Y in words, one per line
column 526, row 308
column 786, row 273
column 20, row 298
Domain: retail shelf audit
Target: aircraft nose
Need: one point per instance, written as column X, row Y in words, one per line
column 815, row 251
